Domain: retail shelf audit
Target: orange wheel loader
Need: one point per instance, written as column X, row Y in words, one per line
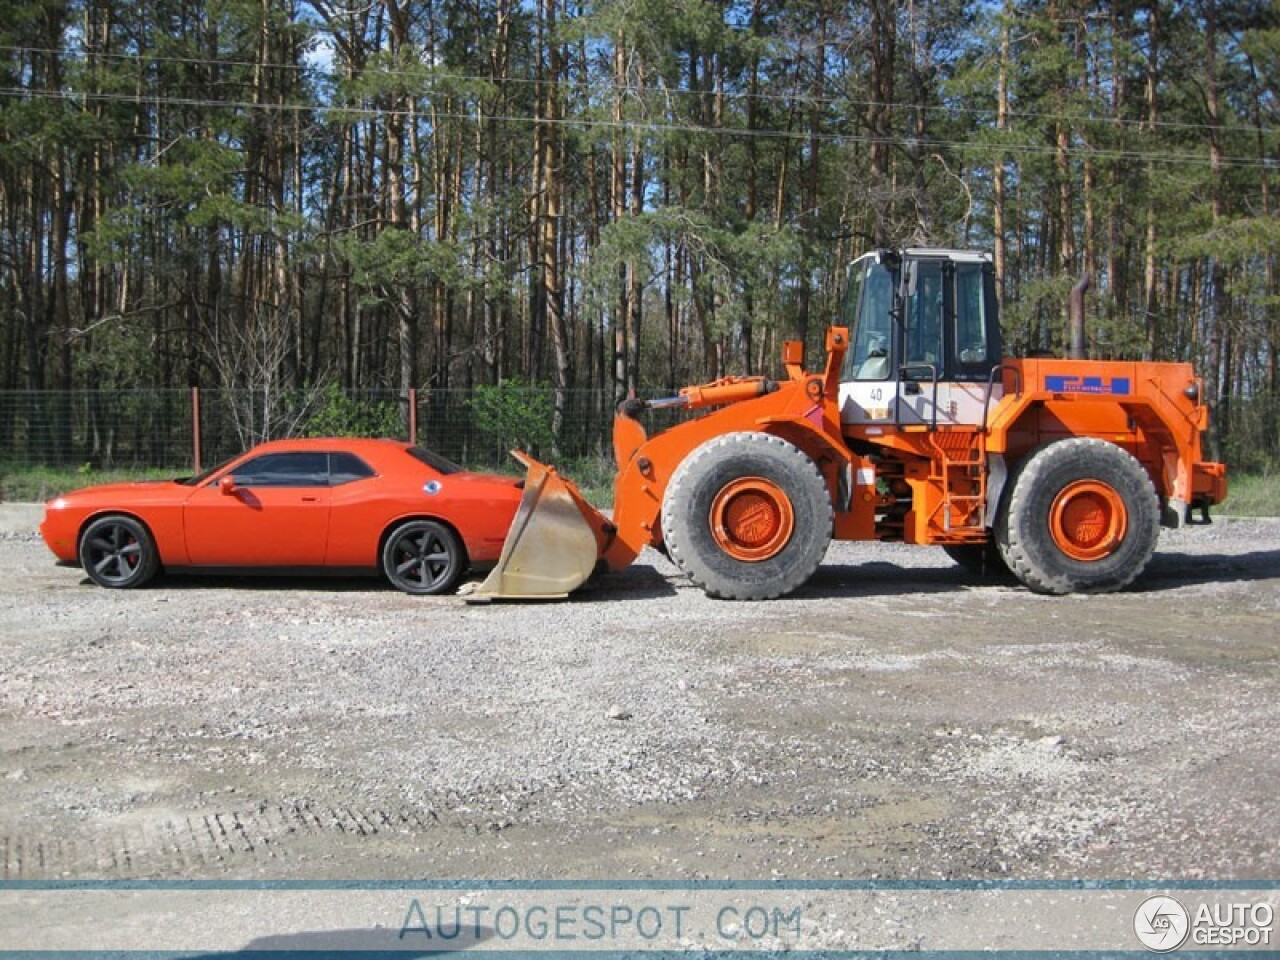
column 918, row 430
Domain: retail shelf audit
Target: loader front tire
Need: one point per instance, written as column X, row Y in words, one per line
column 747, row 516
column 1082, row 517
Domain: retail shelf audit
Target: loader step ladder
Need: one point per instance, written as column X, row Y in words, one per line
column 960, row 462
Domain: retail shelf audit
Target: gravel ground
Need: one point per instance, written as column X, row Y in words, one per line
column 895, row 718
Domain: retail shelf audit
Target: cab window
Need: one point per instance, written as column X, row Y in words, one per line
column 924, row 318
column 867, row 309
column 971, row 316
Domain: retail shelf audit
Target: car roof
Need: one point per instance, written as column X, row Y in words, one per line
column 352, row 444
column 378, row 452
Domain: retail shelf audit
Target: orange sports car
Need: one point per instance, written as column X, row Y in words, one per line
column 301, row 505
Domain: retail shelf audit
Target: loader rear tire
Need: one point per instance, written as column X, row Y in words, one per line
column 1082, row 517
column 747, row 516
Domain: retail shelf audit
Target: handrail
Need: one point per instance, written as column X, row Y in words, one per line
column 991, row 385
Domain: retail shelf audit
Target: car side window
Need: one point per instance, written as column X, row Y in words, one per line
column 284, row 470
column 347, row 468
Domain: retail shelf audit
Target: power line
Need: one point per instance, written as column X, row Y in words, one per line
column 1163, row 157
column 610, row 88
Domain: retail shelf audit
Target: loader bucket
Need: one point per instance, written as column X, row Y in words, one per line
column 553, row 544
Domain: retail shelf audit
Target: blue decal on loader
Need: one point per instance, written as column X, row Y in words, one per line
column 1073, row 383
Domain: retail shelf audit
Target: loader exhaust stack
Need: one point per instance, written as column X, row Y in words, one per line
column 1075, row 317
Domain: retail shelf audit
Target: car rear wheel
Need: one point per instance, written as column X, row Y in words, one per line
column 118, row 552
column 422, row 557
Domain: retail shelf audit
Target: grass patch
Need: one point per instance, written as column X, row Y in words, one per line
column 594, row 478
column 1252, row 495
column 36, row 484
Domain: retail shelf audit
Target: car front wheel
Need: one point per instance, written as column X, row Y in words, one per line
column 118, row 552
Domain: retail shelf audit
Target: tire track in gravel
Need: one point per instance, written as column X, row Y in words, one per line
column 176, row 844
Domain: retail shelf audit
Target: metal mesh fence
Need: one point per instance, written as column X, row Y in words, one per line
column 180, row 429
column 102, row 428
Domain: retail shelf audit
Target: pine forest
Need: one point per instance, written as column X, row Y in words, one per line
column 623, row 195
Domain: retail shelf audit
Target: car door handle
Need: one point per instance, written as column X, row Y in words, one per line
column 310, row 499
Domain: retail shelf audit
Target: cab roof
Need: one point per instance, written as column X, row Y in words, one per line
column 936, row 253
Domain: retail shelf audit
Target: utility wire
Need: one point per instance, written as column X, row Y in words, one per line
column 610, row 88
column 1163, row 157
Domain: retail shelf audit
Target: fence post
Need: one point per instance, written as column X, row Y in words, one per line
column 195, row 427
column 413, row 416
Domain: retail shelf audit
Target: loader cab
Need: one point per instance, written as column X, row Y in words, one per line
column 925, row 337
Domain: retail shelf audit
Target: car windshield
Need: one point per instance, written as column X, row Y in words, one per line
column 433, row 460
column 202, row 476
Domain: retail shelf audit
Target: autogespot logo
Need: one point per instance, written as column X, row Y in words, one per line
column 1161, row 923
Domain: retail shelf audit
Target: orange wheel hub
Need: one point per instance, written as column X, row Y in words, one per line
column 1088, row 520
column 752, row 519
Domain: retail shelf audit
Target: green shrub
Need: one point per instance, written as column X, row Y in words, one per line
column 517, row 415
column 341, row 415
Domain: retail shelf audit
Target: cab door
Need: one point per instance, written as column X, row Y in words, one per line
column 274, row 512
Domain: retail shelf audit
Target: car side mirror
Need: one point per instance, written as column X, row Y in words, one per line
column 227, row 484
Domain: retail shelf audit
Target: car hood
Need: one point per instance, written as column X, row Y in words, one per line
column 117, row 494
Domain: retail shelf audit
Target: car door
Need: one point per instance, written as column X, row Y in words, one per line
column 275, row 513
column 358, row 512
